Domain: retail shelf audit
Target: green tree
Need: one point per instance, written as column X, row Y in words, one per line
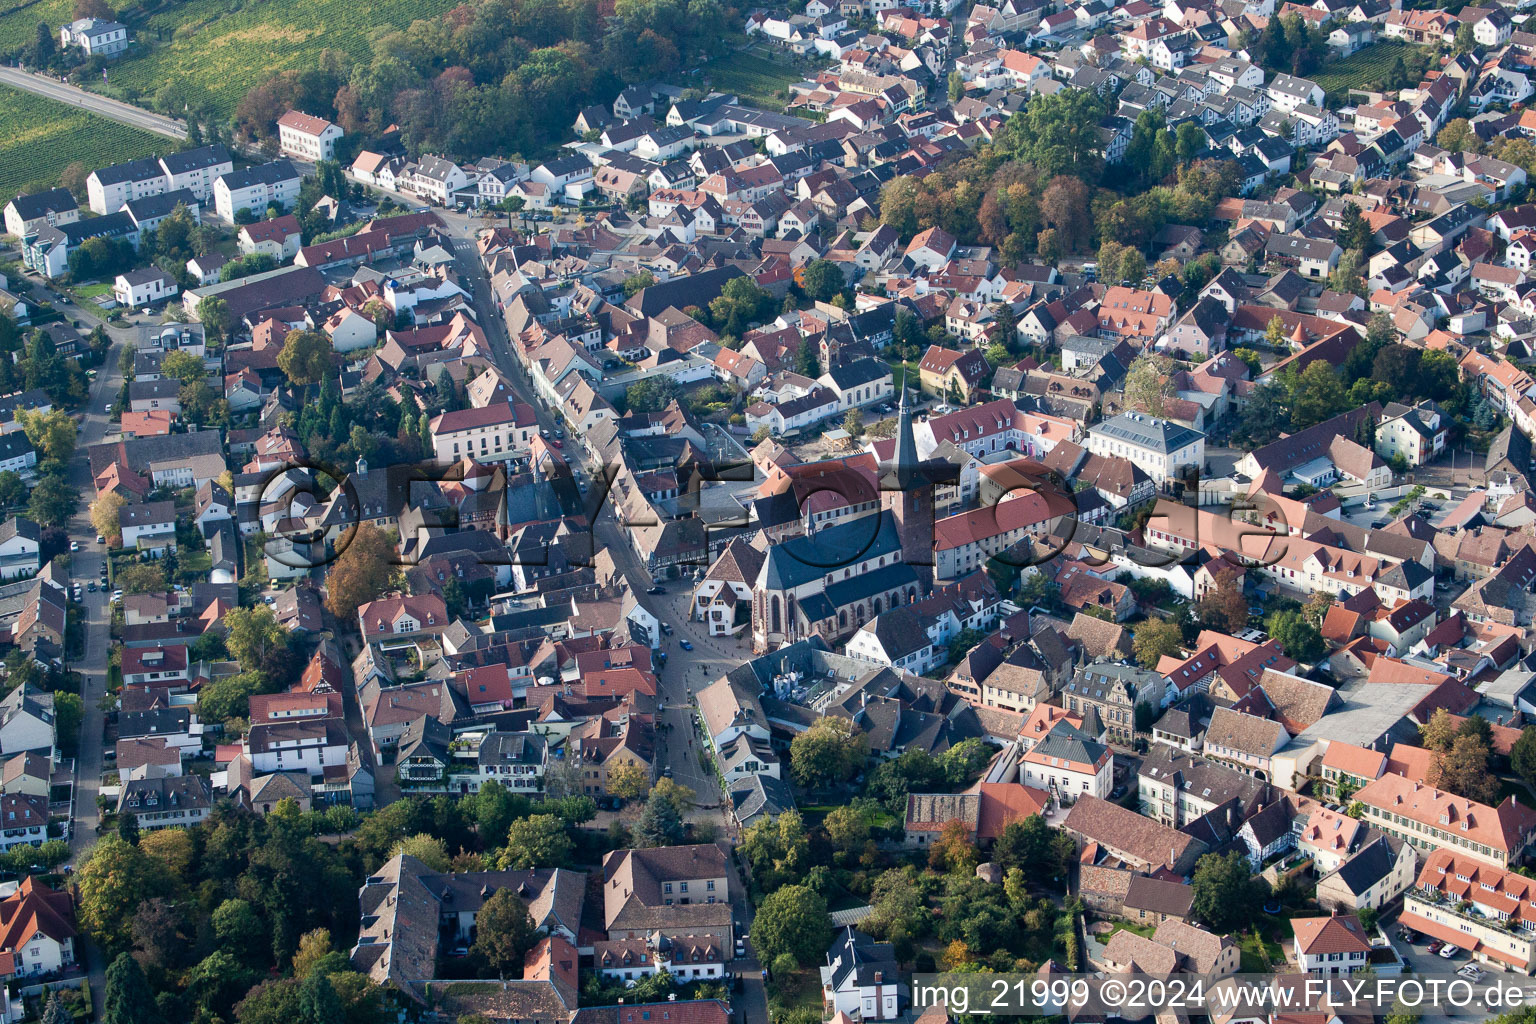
column 635, row 282
column 827, row 754
column 853, row 422
column 68, row 713
column 258, row 641
column 52, row 433
column 1227, row 894
column 54, row 1012
column 651, row 395
column 239, row 931
column 1522, row 755
column 213, row 313
column 127, row 999
column 12, row 490
column 318, row 1001
column 537, row 841
column 305, row 357
column 53, row 502
column 1154, row 639
column 1317, row 395
column 822, row 280
column 793, row 922
column 504, row 933
column 426, row 848
column 1149, row 384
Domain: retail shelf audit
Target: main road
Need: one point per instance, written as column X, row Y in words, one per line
column 116, row 110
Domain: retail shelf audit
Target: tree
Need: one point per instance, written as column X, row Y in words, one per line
column 361, row 573
column 258, row 641
column 1274, row 332
column 314, row 945
column 127, row 999
column 1149, row 384
column 1224, row 607
column 12, row 490
column 52, row 433
column 792, row 922
column 53, row 502
column 660, row 822
column 1227, row 894
column 651, row 395
column 848, row 828
column 68, row 713
column 635, row 282
column 853, row 422
column 1522, row 755
column 318, row 1001
column 1354, row 231
column 305, row 357
column 504, row 933
column 956, row 86
column 1439, row 732
column 213, row 313
column 537, row 841
column 1154, row 639
column 239, row 931
column 1463, row 770
column 54, row 1012
column 1318, row 394
column 1397, row 366
column 426, row 848
column 822, row 280
column 1349, row 275
column 627, row 781
column 105, row 515
column 827, row 754
column 1298, row 637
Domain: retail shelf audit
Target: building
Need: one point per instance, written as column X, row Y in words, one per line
column 158, row 803
column 196, row 169
column 1068, row 765
column 20, row 548
column 37, row 929
column 150, row 527
column 1417, row 433
column 1377, row 873
column 671, row 891
column 1336, row 944
column 308, row 138
column 255, row 188
column 25, row 214
column 109, row 188
column 1137, row 841
column 1488, row 911
column 1162, row 449
column 1433, row 819
column 402, row 616
column 861, row 978
column 499, row 432
column 146, row 287
column 96, row 37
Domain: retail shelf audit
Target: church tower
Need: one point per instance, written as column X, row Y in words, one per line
column 908, row 497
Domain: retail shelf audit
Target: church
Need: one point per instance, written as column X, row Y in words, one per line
column 833, row 579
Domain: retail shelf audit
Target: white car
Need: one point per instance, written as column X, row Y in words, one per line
column 117, row 595
column 74, row 545
column 1449, row 952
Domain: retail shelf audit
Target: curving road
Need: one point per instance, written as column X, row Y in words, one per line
column 116, row 110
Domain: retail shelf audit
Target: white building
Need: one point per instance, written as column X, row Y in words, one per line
column 39, row 928
column 1068, row 765
column 145, row 287
column 96, row 37
column 20, row 544
column 196, row 169
column 499, row 432
column 1330, row 945
column 862, row 978
column 108, row 188
column 149, row 527
column 255, row 188
column 308, row 138
column 1162, row 449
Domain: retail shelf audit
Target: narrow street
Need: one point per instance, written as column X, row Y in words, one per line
column 116, row 110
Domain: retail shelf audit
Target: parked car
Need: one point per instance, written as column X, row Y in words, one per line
column 656, row 589
column 1471, row 972
column 1436, row 946
column 666, row 630
column 100, row 539
column 74, row 545
column 685, row 645
column 1449, row 952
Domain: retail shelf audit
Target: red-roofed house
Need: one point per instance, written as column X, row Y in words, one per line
column 403, row 616
column 37, row 929
column 278, row 238
column 499, row 432
column 308, row 138
column 1500, row 923
column 1330, row 945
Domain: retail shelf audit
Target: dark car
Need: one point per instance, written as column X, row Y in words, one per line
column 656, row 589
column 1436, row 946
column 1117, row 793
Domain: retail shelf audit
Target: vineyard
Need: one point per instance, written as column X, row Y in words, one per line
column 41, row 137
column 224, row 47
column 19, row 18
column 756, row 77
column 1371, row 68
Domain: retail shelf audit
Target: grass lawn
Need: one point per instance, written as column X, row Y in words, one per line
column 91, row 291
column 759, row 77
column 1253, row 952
column 1144, row 930
column 800, row 990
column 41, row 137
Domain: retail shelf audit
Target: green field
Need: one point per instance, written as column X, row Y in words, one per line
column 40, row 137
column 224, row 47
column 1369, row 68
column 755, row 76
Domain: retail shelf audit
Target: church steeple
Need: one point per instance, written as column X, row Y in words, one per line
column 905, row 464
